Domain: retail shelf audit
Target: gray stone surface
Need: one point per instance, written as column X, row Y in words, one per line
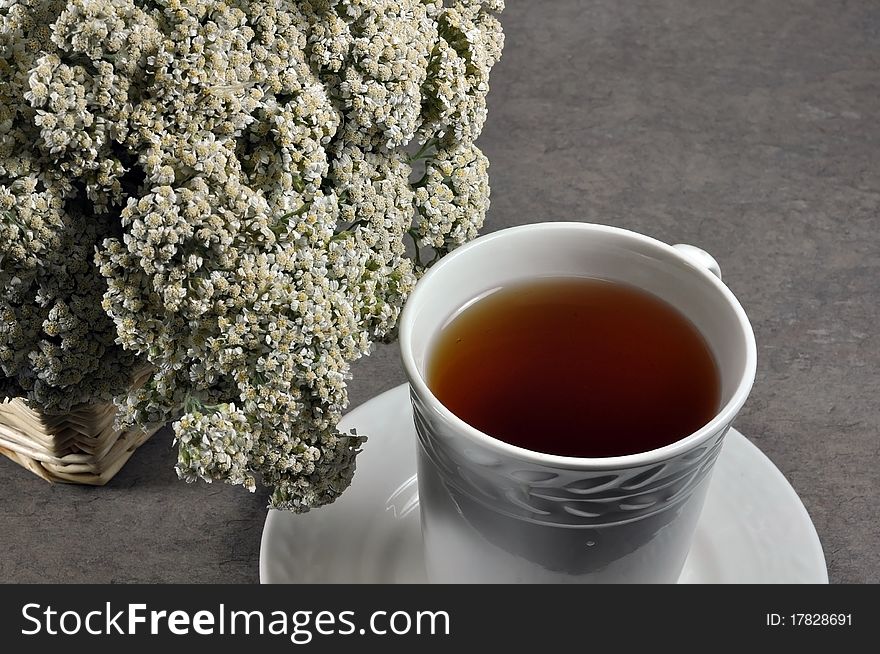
column 747, row 128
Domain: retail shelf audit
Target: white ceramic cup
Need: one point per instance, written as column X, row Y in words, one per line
column 495, row 512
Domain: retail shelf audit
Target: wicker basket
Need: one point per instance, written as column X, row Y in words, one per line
column 79, row 447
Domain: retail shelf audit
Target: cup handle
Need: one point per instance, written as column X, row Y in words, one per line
column 699, row 258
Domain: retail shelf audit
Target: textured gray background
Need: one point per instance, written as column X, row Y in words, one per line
column 747, row 128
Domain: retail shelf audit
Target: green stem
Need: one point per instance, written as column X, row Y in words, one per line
column 423, row 151
column 284, row 220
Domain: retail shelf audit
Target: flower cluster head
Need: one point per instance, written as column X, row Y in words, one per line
column 236, row 195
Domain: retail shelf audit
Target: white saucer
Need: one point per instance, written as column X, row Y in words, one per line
column 754, row 528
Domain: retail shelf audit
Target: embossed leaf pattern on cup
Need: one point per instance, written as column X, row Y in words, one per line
column 550, row 495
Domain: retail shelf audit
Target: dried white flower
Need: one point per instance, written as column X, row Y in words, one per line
column 224, row 191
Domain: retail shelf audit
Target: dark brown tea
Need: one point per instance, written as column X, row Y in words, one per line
column 577, row 367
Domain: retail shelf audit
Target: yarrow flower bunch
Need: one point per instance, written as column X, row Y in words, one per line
column 237, row 195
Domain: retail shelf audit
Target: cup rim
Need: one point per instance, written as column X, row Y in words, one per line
column 723, row 417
